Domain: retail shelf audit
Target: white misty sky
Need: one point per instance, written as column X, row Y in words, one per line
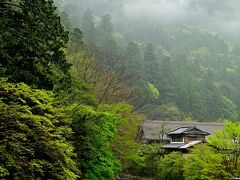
column 221, row 15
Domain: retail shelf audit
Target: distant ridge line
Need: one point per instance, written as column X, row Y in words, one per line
column 184, row 122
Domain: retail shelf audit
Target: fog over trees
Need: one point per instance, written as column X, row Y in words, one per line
column 186, row 49
column 219, row 16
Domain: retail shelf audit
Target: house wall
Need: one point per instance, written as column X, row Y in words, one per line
column 190, row 138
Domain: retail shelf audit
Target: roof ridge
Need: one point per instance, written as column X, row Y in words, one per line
column 185, row 130
column 182, row 127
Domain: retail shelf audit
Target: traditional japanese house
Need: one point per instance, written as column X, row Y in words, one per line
column 185, row 137
column 155, row 131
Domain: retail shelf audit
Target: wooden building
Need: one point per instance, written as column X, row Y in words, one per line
column 155, row 131
column 183, row 138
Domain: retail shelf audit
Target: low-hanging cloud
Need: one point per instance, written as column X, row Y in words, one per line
column 164, row 9
column 218, row 15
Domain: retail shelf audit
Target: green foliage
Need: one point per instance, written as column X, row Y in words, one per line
column 228, row 144
column 134, row 65
column 105, row 34
column 33, row 136
column 204, row 163
column 46, row 135
column 93, row 134
column 151, row 63
column 171, row 166
column 76, row 93
column 229, row 109
column 125, row 145
column 76, row 40
column 153, row 155
column 3, row 172
column 217, row 160
column 192, row 68
column 167, row 112
column 154, row 90
column 34, row 43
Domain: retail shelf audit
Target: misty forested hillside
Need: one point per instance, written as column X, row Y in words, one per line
column 179, row 59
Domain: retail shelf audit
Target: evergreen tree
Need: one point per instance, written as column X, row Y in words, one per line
column 32, row 39
column 151, row 65
column 88, row 28
column 76, row 41
column 134, row 64
column 105, row 34
column 165, row 77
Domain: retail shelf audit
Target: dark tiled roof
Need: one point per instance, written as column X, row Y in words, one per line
column 187, row 130
column 151, row 127
column 179, row 130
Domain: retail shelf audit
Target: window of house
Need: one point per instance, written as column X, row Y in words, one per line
column 177, row 139
column 192, row 138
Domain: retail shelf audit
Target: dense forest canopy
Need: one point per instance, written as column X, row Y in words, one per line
column 180, row 58
column 61, row 114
